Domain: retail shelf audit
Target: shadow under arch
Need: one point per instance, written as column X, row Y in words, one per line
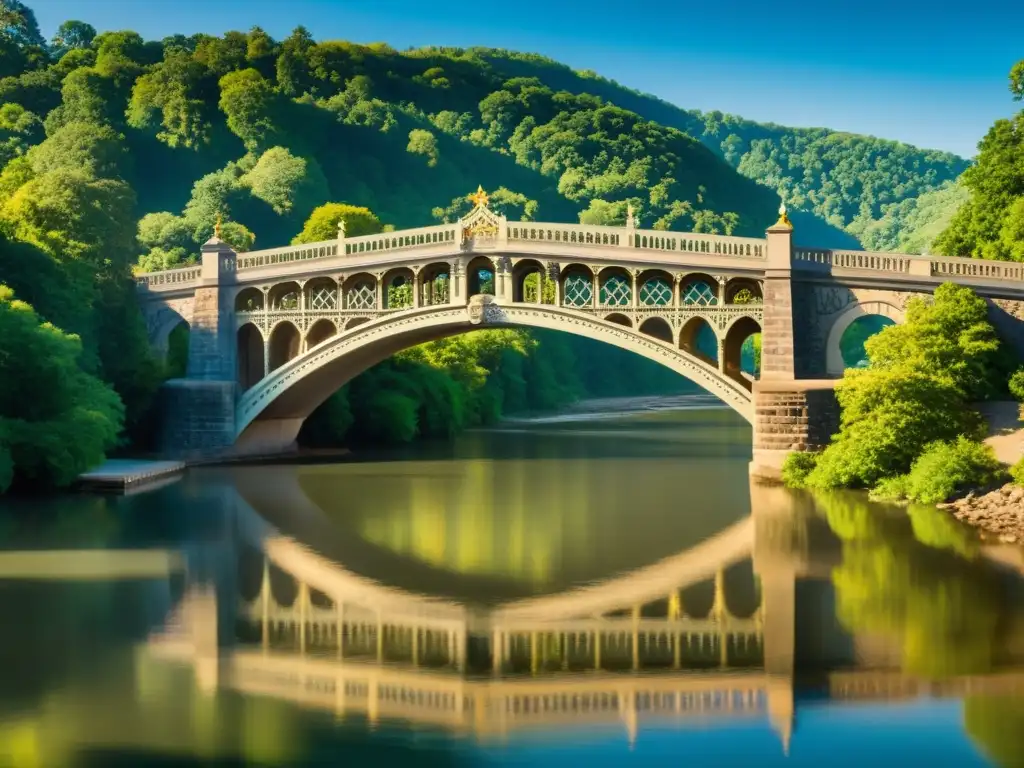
column 270, row 415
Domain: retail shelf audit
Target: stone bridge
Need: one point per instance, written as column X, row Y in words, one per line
column 273, row 333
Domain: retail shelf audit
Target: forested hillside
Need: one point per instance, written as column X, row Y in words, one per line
column 119, row 153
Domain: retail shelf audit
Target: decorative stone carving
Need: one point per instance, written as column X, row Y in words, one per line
column 483, row 308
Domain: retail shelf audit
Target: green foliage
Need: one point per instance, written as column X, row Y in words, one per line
column 913, row 224
column 249, row 101
column 944, row 469
column 322, row 223
column 1016, row 385
column 991, row 224
column 915, row 391
column 289, row 184
column 72, row 35
column 1017, row 472
column 56, row 421
column 121, row 153
column 423, row 142
column 796, row 468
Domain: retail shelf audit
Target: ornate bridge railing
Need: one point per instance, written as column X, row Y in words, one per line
column 910, row 265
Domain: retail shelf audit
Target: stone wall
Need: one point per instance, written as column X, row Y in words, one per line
column 791, row 416
column 197, row 417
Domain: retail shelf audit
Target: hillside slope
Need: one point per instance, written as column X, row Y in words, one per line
column 844, row 179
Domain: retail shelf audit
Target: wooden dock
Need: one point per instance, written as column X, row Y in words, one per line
column 124, row 475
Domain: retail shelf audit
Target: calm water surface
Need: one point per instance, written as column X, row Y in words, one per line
column 598, row 587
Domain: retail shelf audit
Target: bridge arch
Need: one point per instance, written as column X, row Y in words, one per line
column 834, row 363
column 285, row 343
column 522, row 271
column 252, row 365
column 320, row 331
column 696, row 337
column 270, row 414
column 659, row 328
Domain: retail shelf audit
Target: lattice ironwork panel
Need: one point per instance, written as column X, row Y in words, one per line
column 700, row 294
column 324, row 297
column 578, row 291
column 656, row 292
column 363, row 296
column 616, row 292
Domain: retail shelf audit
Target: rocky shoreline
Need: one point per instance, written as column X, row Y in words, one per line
column 999, row 513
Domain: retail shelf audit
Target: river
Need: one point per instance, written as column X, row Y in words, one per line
column 603, row 586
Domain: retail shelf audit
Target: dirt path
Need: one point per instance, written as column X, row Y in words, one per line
column 1006, row 430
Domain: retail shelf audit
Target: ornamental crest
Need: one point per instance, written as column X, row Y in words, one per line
column 482, row 226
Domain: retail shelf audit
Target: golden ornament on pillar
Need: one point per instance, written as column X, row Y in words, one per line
column 216, row 227
column 783, row 217
column 479, row 198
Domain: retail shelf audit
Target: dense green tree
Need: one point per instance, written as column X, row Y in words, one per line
column 423, row 142
column 249, row 102
column 171, row 101
column 289, row 184
column 322, row 223
column 72, row 35
column 991, row 224
column 56, row 421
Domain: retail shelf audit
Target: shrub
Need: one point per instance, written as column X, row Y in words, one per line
column 1017, row 385
column 1017, row 472
column 945, row 468
column 797, row 467
column 891, row 489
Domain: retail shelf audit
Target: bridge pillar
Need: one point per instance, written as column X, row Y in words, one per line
column 198, row 412
column 790, row 413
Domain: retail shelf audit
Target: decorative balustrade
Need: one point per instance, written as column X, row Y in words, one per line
column 907, row 264
column 683, row 242
column 867, row 260
column 565, row 234
column 978, row 268
column 288, row 254
column 445, row 234
column 628, row 244
column 169, row 277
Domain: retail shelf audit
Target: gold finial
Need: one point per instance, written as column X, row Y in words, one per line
column 479, row 198
column 783, row 216
column 630, row 220
column 216, row 227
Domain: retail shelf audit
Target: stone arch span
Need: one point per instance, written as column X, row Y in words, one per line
column 834, row 364
column 269, row 415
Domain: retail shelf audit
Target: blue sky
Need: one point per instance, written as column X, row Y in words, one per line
column 930, row 73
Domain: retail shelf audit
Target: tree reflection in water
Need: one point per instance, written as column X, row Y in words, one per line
column 910, row 577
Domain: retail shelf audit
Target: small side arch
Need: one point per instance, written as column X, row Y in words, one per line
column 834, row 364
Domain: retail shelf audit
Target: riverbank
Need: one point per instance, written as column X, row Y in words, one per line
column 997, row 512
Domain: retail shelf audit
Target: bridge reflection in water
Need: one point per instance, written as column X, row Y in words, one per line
column 298, row 627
